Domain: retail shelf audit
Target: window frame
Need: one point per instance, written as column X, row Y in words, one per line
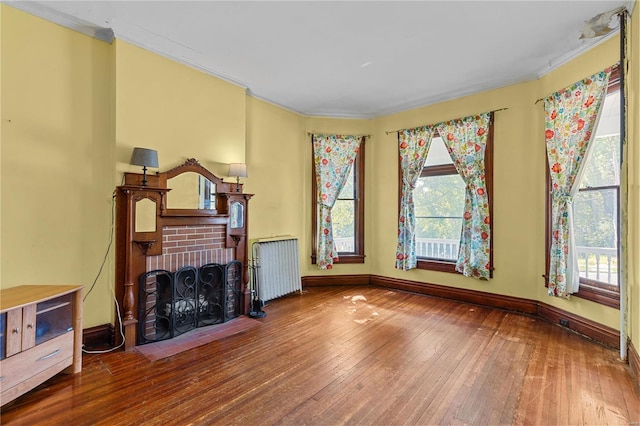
column 442, row 265
column 357, row 256
column 595, row 291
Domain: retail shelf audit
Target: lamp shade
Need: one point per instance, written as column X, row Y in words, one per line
column 238, row 170
column 144, row 157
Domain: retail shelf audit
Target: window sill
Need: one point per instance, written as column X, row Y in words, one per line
column 350, row 258
column 600, row 295
column 344, row 259
column 437, row 265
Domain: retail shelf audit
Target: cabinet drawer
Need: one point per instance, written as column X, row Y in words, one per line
column 22, row 366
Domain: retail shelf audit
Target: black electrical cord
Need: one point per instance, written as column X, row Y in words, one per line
column 106, row 255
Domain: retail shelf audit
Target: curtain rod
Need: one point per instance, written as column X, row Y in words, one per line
column 613, row 67
column 399, row 130
column 325, row 133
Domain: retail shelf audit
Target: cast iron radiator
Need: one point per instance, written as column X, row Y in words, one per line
column 277, row 267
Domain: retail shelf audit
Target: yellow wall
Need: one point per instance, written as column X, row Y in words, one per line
column 178, row 111
column 274, row 149
column 57, row 158
column 78, row 106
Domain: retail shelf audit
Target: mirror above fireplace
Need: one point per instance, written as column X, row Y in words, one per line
column 193, row 190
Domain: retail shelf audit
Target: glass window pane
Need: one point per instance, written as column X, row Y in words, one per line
column 609, row 123
column 603, row 163
column 438, row 238
column 441, row 196
column 348, row 189
column 595, row 221
column 438, row 153
column 439, row 204
column 342, row 216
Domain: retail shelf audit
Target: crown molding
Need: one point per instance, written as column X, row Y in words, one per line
column 568, row 57
column 67, row 21
column 449, row 96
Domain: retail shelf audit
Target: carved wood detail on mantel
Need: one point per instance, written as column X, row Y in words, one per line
column 191, row 165
column 145, row 245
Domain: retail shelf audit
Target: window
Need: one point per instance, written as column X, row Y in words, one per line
column 439, row 198
column 595, row 206
column 347, row 215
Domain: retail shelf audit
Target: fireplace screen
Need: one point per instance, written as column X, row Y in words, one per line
column 172, row 303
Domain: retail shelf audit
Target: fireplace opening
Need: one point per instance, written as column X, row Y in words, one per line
column 173, row 303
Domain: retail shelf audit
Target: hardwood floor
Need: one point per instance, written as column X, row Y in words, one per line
column 353, row 355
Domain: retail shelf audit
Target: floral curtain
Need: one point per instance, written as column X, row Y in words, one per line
column 414, row 146
column 466, row 141
column 570, row 118
column 334, row 156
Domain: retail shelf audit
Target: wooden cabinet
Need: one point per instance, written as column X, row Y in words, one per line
column 40, row 336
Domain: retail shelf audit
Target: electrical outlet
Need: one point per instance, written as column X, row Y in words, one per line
column 564, row 322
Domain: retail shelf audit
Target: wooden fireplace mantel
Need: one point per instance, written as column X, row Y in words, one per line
column 143, row 213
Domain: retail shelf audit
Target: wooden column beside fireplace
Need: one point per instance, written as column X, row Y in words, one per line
column 186, row 216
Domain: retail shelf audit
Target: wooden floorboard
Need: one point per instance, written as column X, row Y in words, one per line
column 353, row 355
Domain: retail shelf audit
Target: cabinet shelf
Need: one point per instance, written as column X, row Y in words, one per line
column 51, row 307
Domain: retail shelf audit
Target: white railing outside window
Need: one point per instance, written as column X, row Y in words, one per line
column 345, row 245
column 437, row 248
column 598, row 263
column 425, row 247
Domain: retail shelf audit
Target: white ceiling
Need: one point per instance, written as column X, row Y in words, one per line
column 347, row 58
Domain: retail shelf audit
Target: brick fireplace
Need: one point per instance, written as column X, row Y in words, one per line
column 179, row 240
column 194, row 245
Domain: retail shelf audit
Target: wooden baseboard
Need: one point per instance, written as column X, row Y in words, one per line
column 335, row 280
column 98, row 337
column 600, row 333
column 634, row 363
column 463, row 295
